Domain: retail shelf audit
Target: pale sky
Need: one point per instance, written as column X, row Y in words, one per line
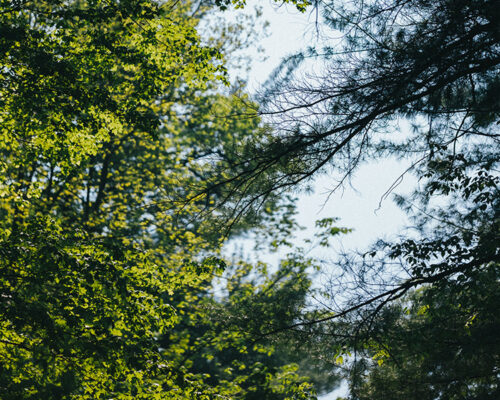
column 358, row 206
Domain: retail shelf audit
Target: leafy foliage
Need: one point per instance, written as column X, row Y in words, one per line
column 442, row 344
column 433, row 65
column 95, row 152
column 221, row 327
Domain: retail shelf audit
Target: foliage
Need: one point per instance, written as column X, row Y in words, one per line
column 441, row 341
column 83, row 82
column 442, row 344
column 220, row 332
column 434, row 66
column 96, row 150
column 79, row 319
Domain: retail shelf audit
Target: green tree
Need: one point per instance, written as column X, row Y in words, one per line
column 220, row 332
column 95, row 152
column 441, row 342
column 82, row 82
column 438, row 343
column 435, row 65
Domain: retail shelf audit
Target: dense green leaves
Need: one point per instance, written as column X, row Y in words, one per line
column 107, row 123
column 117, row 142
column 440, row 343
column 220, row 332
column 80, row 318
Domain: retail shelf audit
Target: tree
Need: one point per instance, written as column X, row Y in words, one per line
column 431, row 333
column 434, row 64
column 82, row 82
column 438, row 343
column 94, row 150
column 220, row 327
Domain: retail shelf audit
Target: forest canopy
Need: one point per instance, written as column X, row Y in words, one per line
column 129, row 156
column 106, row 287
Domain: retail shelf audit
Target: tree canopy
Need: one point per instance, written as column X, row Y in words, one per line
column 106, row 121
column 127, row 158
column 434, row 66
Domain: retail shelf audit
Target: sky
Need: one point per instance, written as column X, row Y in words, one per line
column 360, row 204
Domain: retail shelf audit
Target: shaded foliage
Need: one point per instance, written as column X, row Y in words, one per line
column 433, row 65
